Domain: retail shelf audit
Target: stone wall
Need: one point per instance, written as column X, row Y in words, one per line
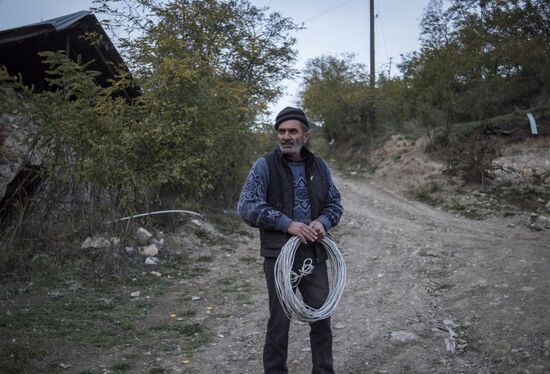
column 14, row 153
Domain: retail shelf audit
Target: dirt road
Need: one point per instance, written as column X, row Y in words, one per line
column 421, row 284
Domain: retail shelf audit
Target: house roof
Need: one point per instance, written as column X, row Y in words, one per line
column 19, row 48
column 43, row 27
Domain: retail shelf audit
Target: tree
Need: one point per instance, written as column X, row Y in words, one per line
column 335, row 93
column 207, row 70
column 480, row 58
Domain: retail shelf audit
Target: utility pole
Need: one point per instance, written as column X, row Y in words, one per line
column 389, row 69
column 370, row 108
column 372, row 72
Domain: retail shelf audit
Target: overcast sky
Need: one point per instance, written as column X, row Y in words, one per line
column 331, row 27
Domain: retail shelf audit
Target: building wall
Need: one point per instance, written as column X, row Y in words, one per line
column 14, row 153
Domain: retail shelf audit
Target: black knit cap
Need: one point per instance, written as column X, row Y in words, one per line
column 291, row 113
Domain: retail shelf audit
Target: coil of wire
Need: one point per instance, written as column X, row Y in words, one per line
column 292, row 304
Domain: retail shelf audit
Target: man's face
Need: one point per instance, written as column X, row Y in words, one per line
column 292, row 138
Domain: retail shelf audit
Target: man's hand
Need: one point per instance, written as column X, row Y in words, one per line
column 319, row 229
column 304, row 232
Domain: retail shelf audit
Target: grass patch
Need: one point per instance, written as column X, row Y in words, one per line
column 248, row 260
column 212, row 239
column 203, row 234
column 205, row 259
column 414, row 134
column 185, row 267
column 228, row 281
column 191, row 329
column 182, row 329
column 237, row 287
column 103, row 314
column 17, row 357
column 121, row 367
column 227, row 224
column 456, row 206
column 194, row 335
column 68, row 302
column 187, row 313
column 158, row 371
column 39, row 318
column 224, row 315
column 243, row 297
column 193, row 272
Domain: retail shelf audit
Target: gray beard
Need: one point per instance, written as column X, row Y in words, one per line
column 296, row 148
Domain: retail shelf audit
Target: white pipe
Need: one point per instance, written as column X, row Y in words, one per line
column 155, row 213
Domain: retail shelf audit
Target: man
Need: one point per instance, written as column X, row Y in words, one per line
column 290, row 192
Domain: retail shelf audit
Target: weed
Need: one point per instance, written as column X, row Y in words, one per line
column 198, row 271
column 224, row 315
column 193, row 334
column 248, row 260
column 414, row 134
column 182, row 329
column 228, row 280
column 473, row 214
column 434, row 187
column 371, row 168
column 243, row 297
column 16, row 357
column 237, row 287
column 158, row 371
column 426, row 193
column 227, row 224
column 121, row 367
column 183, row 266
column 191, row 329
column 203, row 234
column 456, row 206
column 205, row 259
column 187, row 313
column 210, row 238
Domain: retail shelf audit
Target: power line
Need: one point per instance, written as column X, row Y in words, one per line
column 381, row 31
column 393, row 6
column 329, row 10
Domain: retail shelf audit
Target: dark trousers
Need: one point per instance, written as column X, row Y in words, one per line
column 314, row 289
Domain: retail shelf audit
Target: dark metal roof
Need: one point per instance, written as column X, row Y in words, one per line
column 29, row 31
column 19, row 48
column 63, row 22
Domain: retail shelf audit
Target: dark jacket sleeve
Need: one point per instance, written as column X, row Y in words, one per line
column 253, row 207
column 332, row 211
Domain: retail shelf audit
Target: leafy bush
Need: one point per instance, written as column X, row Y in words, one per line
column 206, row 70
